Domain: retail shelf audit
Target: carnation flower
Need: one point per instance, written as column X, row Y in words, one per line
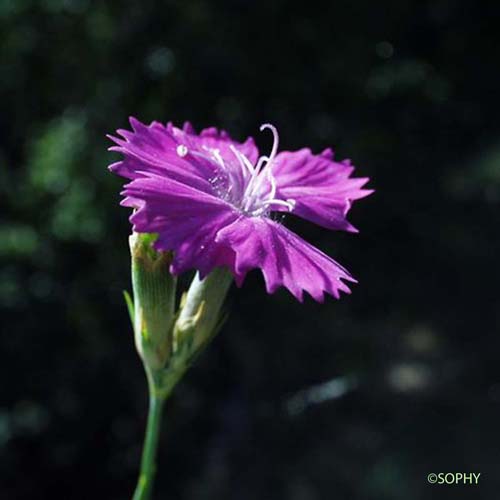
column 212, row 200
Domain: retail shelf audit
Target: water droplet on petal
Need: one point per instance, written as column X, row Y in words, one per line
column 182, row 150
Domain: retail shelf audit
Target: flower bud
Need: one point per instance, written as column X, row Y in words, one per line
column 200, row 312
column 154, row 300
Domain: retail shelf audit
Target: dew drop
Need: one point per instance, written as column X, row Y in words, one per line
column 182, row 150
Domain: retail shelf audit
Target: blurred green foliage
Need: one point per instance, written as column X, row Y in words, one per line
column 356, row 399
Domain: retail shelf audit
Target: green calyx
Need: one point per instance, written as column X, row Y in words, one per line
column 154, row 300
column 168, row 340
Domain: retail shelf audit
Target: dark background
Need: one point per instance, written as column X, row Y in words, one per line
column 355, row 399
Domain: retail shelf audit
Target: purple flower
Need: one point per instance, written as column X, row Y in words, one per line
column 211, row 201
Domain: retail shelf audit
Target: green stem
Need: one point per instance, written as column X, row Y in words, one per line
column 148, row 462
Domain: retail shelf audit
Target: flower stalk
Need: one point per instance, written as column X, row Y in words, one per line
column 148, row 461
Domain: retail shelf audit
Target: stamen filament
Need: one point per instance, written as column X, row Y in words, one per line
column 255, row 183
column 290, row 204
column 245, row 188
column 245, row 163
column 274, row 149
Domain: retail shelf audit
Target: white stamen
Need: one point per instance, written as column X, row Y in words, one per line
column 245, row 188
column 218, row 157
column 260, row 162
column 263, row 163
column 273, row 184
column 245, row 163
column 209, row 157
column 274, row 149
column 290, row 204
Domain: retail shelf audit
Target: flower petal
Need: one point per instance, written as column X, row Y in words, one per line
column 152, row 149
column 321, row 188
column 284, row 258
column 185, row 219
